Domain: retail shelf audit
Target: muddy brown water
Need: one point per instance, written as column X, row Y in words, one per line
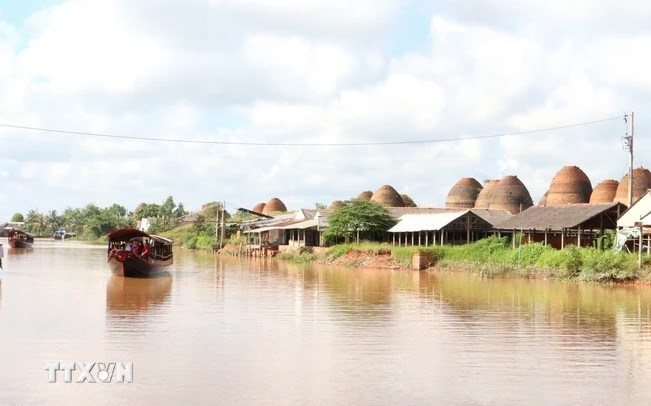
column 229, row 331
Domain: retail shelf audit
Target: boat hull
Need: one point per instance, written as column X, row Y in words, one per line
column 19, row 244
column 133, row 266
column 20, row 239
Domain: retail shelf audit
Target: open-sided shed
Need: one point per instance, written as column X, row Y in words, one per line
column 445, row 226
column 558, row 226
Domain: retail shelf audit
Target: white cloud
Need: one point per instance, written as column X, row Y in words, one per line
column 317, row 15
column 85, row 44
column 314, row 72
column 58, row 174
column 402, row 102
column 293, row 64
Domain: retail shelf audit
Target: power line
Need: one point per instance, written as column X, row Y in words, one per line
column 296, row 144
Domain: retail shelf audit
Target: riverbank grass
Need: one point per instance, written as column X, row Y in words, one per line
column 495, row 257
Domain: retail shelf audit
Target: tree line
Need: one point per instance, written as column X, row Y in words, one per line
column 93, row 222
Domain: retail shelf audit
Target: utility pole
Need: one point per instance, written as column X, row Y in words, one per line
column 223, row 236
column 217, row 225
column 628, row 145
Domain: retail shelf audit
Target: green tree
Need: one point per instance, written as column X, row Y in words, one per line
column 52, row 221
column 148, row 210
column 167, row 208
column 180, row 211
column 17, row 217
column 364, row 219
column 35, row 223
column 73, row 221
column 164, row 217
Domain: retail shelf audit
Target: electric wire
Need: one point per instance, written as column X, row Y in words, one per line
column 298, row 144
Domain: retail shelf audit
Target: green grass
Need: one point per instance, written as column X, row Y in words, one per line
column 495, row 257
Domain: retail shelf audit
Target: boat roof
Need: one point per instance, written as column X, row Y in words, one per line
column 125, row 234
column 15, row 231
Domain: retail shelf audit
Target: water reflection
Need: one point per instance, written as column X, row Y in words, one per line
column 588, row 309
column 19, row 251
column 366, row 336
column 592, row 312
column 129, row 296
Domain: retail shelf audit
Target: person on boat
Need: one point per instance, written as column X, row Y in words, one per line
column 137, row 247
column 145, row 250
column 128, row 246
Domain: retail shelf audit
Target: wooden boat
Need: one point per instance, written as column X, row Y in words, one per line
column 126, row 258
column 20, row 239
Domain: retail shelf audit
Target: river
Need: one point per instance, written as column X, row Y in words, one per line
column 238, row 331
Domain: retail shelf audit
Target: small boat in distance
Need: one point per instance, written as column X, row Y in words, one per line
column 62, row 234
column 20, row 239
column 135, row 254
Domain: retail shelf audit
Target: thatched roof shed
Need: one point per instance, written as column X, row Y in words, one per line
column 570, row 186
column 510, row 194
column 274, row 205
column 641, row 182
column 335, row 205
column 388, row 197
column 604, row 192
column 483, row 198
column 559, row 218
column 409, row 202
column 463, row 194
column 365, row 195
column 259, row 208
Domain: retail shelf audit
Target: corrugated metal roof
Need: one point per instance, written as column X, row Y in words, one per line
column 276, row 226
column 398, row 212
column 560, row 217
column 426, row 222
column 302, row 225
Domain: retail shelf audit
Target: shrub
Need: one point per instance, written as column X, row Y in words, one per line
column 337, row 251
column 528, row 254
column 567, row 260
column 606, row 266
column 206, row 242
column 298, row 257
column 490, row 249
column 190, row 241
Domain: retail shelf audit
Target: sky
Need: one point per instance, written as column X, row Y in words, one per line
column 312, row 101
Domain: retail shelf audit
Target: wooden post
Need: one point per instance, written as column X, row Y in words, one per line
column 562, row 238
column 468, row 228
column 639, row 248
column 578, row 237
column 545, row 237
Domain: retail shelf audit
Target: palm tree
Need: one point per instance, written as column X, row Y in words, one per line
column 52, row 221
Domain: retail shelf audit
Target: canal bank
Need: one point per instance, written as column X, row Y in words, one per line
column 491, row 257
